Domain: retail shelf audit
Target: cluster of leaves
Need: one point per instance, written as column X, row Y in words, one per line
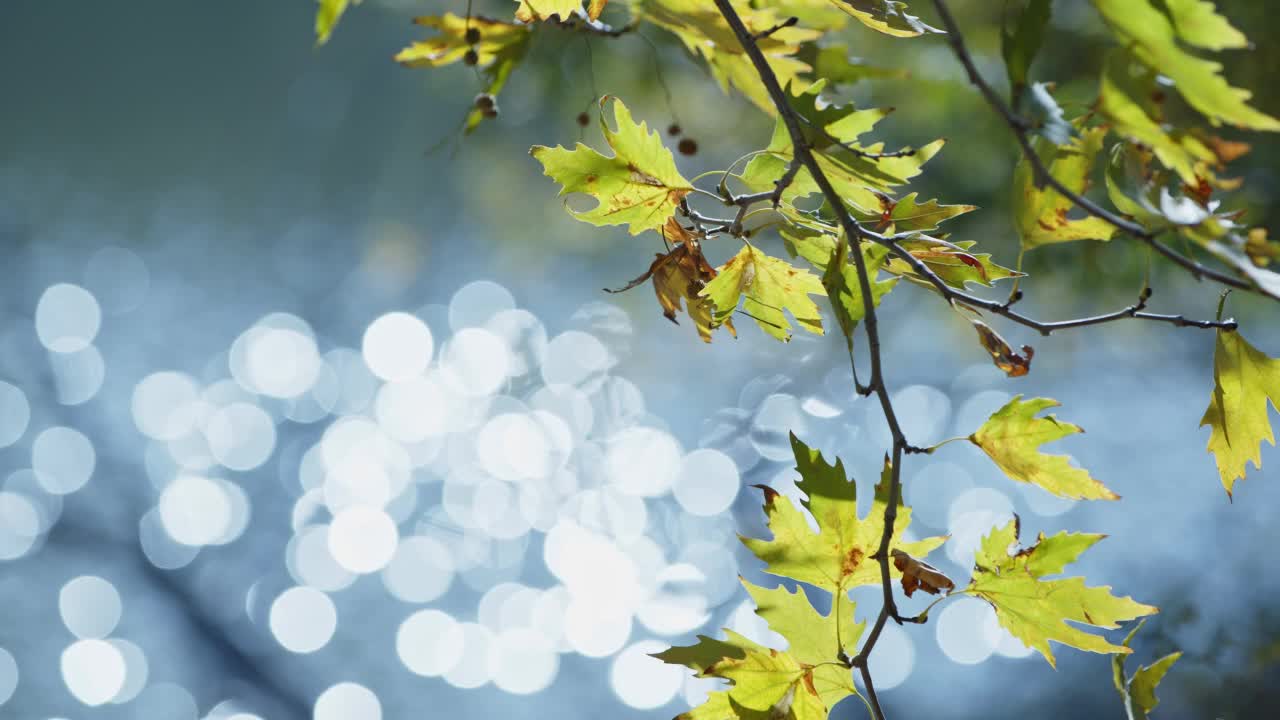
column 839, row 204
column 806, row 679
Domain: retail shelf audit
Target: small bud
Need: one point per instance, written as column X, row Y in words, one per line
column 484, row 101
column 471, row 57
column 583, row 119
column 673, row 130
column 688, row 146
column 473, row 36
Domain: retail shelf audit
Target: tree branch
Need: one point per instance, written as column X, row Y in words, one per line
column 853, row 232
column 1022, row 131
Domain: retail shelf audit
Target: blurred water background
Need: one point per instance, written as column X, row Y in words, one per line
column 308, row 409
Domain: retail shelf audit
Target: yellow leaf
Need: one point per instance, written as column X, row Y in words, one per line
column 1012, row 438
column 1244, row 379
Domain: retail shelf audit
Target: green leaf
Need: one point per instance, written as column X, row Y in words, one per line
column 815, row 640
column 859, row 179
column 328, row 14
column 1036, row 610
column 1041, row 212
column 450, row 45
column 1153, row 38
column 953, row 263
column 1244, row 379
column 766, row 286
column 907, row 214
column 1142, row 687
column 837, row 558
column 638, row 187
column 1012, row 438
column 706, row 34
column 1126, row 100
column 842, row 283
column 767, row 684
column 887, row 16
column 834, row 64
column 1020, row 44
column 1199, row 24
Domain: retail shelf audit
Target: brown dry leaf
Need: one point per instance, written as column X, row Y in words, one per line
column 1004, row 356
column 920, row 575
column 678, row 276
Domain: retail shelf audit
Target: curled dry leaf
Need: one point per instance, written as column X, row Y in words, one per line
column 1004, row 356
column 920, row 575
column 678, row 276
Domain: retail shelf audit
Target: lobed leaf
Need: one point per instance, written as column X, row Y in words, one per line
column 1153, row 37
column 837, row 558
column 638, row 187
column 1041, row 212
column 1035, row 610
column 765, row 286
column 1012, row 437
column 1244, row 380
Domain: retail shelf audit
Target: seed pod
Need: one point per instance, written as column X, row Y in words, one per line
column 471, row 57
column 484, row 101
column 489, row 112
column 688, row 146
column 673, row 129
column 583, row 119
column 473, row 36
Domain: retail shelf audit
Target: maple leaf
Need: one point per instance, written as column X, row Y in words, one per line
column 1041, row 212
column 1154, row 38
column 854, row 170
column 1243, row 380
column 1012, row 437
column 639, row 186
column 678, row 276
column 1139, row 691
column 767, row 684
column 954, row 263
column 766, row 286
column 906, row 213
column 843, row 284
column 1035, row 610
column 837, row 558
column 706, row 34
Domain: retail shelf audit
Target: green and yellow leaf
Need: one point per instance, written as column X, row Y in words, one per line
column 1012, row 438
column 1042, row 212
column 1154, row 38
column 706, row 34
column 1037, row 611
column 638, row 187
column 766, row 286
column 1244, row 379
column 837, row 558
